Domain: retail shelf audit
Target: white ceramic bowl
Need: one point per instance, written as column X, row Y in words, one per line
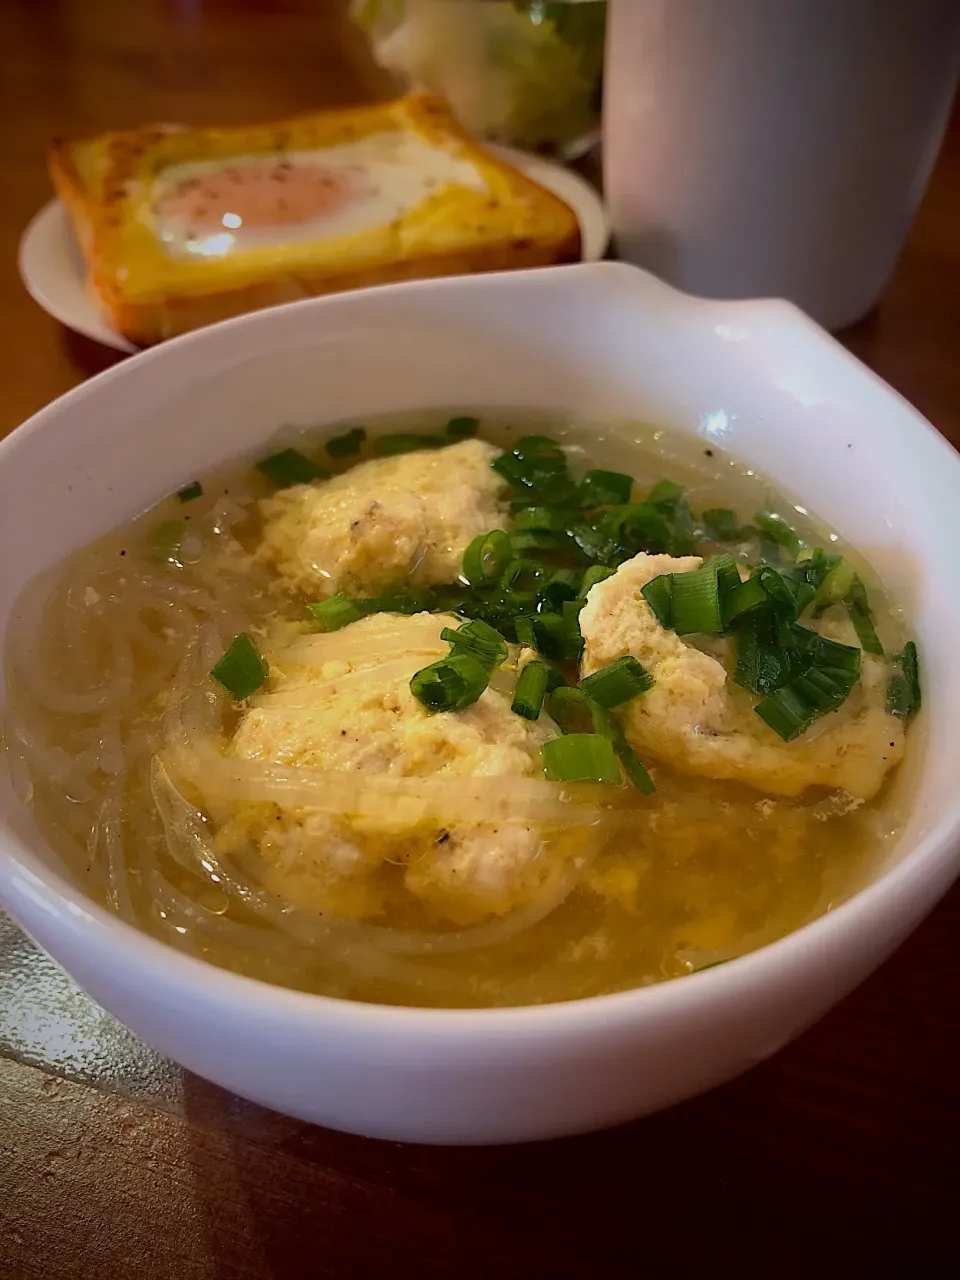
column 754, row 378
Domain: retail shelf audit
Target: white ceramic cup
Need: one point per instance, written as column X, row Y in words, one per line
column 775, row 148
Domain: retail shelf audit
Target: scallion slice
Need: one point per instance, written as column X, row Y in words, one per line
column 537, row 448
column 524, row 576
column 786, row 712
column 289, row 467
column 553, row 519
column 666, row 493
column 596, row 573
column 835, row 586
column 242, row 669
column 536, row 540
column 903, row 690
column 561, row 589
column 722, row 524
column 658, row 593
column 811, row 570
column 451, row 684
column 695, row 600
column 347, row 445
column 478, row 639
column 581, row 757
column 406, row 602
column 394, row 443
column 576, row 712
column 791, row 709
column 741, row 599
column 486, row 557
column 605, row 489
column 781, row 597
column 763, row 658
column 641, row 526
column 633, row 767
column 462, row 427
column 858, row 607
column 339, row 611
column 537, row 465
column 190, row 491
column 534, row 682
column 824, row 685
column 622, row 680
column 783, row 534
column 553, row 636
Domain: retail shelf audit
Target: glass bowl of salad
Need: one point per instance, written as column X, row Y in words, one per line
column 527, row 73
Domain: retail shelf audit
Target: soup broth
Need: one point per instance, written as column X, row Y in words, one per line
column 109, row 691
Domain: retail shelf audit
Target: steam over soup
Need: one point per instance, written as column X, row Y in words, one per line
column 459, row 712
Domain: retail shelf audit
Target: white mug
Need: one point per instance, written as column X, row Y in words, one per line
column 775, row 147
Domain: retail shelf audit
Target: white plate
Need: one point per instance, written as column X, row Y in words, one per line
column 53, row 270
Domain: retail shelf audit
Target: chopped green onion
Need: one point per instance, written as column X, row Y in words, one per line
column 858, row 606
column 394, row 443
column 695, row 601
column 742, row 598
column 450, row 684
column 667, row 493
column 903, row 691
column 538, row 465
column 728, row 576
column 837, row 584
column 658, row 593
column 776, row 528
column 605, row 489
column 830, row 672
column 347, row 445
column 829, row 655
column 792, row 708
column 596, row 573
column 722, row 524
column 764, row 660
column 815, row 566
column 581, row 757
column 462, row 428
column 633, row 767
column 480, row 640
column 561, row 589
column 622, row 680
column 339, row 611
column 594, row 540
column 576, row 712
column 534, row 682
column 523, row 576
column 289, row 467
column 530, row 448
column 486, row 557
column 571, row 610
column 399, row 602
column 555, row 637
column 641, row 526
column 242, row 669
column 553, row 519
column 781, row 597
column 536, row 540
column 190, row 491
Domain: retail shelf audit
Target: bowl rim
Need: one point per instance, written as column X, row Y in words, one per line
column 907, row 890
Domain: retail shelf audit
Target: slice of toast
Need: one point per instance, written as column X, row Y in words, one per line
column 180, row 227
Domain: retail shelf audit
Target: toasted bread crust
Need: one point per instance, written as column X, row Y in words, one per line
column 148, row 295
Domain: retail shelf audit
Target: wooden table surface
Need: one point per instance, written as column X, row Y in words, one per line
column 842, row 1150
